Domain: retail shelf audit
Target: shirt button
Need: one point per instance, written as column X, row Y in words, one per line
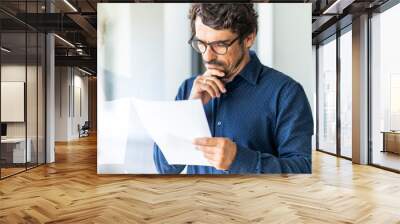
column 219, row 123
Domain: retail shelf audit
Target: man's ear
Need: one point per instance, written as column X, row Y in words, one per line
column 249, row 40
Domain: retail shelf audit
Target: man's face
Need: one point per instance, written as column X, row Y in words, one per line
column 228, row 62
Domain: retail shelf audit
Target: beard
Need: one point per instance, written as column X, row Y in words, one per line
column 228, row 70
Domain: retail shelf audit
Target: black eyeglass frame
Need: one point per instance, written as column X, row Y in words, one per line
column 193, row 41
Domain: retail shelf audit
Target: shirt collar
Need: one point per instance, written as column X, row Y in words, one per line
column 252, row 69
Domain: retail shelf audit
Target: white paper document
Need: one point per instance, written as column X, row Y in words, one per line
column 173, row 125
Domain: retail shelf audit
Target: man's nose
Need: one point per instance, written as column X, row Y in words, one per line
column 209, row 54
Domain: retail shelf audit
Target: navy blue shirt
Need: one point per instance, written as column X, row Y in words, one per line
column 266, row 113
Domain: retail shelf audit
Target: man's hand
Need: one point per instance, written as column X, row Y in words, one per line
column 220, row 152
column 208, row 86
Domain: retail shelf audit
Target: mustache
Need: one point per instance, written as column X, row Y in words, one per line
column 214, row 62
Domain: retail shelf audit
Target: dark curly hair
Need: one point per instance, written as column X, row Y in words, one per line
column 240, row 18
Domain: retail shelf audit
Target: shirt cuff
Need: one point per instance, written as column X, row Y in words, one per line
column 246, row 161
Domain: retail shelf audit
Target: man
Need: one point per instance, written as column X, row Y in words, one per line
column 260, row 119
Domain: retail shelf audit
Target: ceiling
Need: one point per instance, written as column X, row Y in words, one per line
column 76, row 22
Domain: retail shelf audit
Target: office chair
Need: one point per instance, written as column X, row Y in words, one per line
column 84, row 130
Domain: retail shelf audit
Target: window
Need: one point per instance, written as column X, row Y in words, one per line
column 385, row 89
column 327, row 97
column 346, row 94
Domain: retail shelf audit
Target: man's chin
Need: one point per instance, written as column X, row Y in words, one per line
column 226, row 78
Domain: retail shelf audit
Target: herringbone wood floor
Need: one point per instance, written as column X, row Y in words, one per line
column 70, row 191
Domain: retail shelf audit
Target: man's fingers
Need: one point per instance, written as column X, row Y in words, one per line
column 210, row 90
column 218, row 83
column 207, row 149
column 206, row 141
column 210, row 158
column 213, row 86
column 213, row 160
column 214, row 82
column 214, row 72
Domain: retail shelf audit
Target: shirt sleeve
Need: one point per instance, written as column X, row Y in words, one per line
column 293, row 133
column 161, row 163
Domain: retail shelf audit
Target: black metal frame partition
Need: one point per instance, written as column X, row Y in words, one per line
column 44, row 94
column 336, row 38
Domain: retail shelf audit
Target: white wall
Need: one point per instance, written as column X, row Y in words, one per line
column 265, row 36
column 132, row 48
column 67, row 81
column 61, row 103
column 176, row 35
column 284, row 41
column 81, row 104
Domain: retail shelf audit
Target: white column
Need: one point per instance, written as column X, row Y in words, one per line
column 50, row 99
column 360, row 90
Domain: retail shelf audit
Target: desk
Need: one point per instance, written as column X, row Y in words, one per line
column 15, row 148
column 391, row 141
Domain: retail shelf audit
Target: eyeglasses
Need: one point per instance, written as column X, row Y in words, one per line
column 219, row 47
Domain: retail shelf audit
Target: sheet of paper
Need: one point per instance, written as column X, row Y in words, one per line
column 173, row 125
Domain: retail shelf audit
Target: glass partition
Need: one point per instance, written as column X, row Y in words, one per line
column 385, row 89
column 41, row 109
column 327, row 96
column 346, row 94
column 14, row 153
column 22, row 77
column 32, row 95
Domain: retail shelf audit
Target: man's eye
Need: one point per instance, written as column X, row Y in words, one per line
column 220, row 45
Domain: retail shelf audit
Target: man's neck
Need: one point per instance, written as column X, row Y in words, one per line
column 242, row 64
